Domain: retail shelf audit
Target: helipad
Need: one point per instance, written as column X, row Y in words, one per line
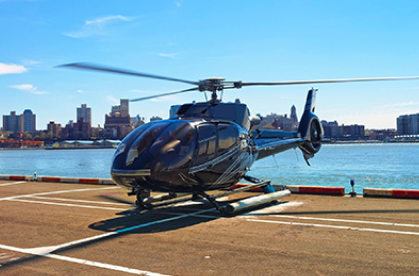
column 68, row 229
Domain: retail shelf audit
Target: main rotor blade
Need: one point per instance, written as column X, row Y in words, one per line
column 327, row 81
column 164, row 94
column 94, row 67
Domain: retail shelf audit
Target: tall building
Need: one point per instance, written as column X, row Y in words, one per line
column 20, row 123
column 118, row 122
column 28, row 121
column 294, row 118
column 408, row 124
column 124, row 108
column 11, row 122
column 84, row 113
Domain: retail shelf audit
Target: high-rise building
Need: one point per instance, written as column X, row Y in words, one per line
column 84, row 113
column 408, row 124
column 28, row 121
column 20, row 123
column 294, row 118
column 124, row 108
column 118, row 122
column 11, row 122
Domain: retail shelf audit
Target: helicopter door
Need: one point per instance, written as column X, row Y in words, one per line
column 207, row 138
column 227, row 137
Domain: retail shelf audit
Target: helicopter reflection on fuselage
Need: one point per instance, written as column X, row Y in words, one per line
column 183, row 155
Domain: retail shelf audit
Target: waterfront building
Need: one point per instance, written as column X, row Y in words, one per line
column 11, row 122
column 124, row 108
column 25, row 122
column 294, row 118
column 84, row 113
column 28, row 121
column 118, row 122
column 275, row 121
column 333, row 130
column 81, row 130
column 53, row 130
column 408, row 124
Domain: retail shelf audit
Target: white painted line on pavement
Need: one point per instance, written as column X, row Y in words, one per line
column 67, row 204
column 13, row 183
column 83, row 262
column 81, row 201
column 345, row 220
column 56, row 192
column 336, row 227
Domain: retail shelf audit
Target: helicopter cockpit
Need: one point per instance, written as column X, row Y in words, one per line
column 160, row 146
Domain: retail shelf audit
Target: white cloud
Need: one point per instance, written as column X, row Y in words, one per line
column 96, row 26
column 101, row 21
column 80, row 91
column 178, row 4
column 112, row 99
column 11, row 69
column 29, row 62
column 28, row 87
column 173, row 55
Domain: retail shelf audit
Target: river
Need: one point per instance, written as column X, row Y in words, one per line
column 369, row 165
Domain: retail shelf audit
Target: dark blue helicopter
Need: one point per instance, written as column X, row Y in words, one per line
column 208, row 145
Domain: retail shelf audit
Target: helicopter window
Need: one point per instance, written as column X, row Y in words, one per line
column 207, row 137
column 166, row 140
column 227, row 137
column 176, row 152
column 143, row 141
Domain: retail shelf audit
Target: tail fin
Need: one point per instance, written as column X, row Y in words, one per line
column 310, row 127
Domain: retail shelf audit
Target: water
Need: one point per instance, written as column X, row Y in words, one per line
column 369, row 165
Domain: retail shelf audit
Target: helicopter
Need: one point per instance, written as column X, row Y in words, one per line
column 208, row 146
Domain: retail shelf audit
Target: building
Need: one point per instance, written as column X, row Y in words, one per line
column 118, row 122
column 84, row 113
column 275, row 121
column 408, row 124
column 124, row 108
column 53, row 130
column 11, row 122
column 28, row 121
column 81, row 130
column 294, row 118
column 20, row 123
column 333, row 130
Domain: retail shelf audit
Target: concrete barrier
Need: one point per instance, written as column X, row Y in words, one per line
column 84, row 180
column 320, row 190
column 398, row 193
column 16, row 177
column 99, row 181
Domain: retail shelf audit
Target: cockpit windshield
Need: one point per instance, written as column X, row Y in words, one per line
column 168, row 145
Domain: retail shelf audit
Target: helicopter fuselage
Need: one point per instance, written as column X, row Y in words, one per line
column 207, row 146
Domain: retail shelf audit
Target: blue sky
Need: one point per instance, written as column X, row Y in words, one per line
column 238, row 40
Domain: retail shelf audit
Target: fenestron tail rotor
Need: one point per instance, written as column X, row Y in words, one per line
column 215, row 84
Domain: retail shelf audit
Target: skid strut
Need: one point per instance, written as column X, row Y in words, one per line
column 146, row 202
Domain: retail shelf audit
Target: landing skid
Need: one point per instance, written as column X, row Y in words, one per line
column 144, row 200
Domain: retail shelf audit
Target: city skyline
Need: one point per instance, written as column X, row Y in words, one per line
column 253, row 41
column 123, row 110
